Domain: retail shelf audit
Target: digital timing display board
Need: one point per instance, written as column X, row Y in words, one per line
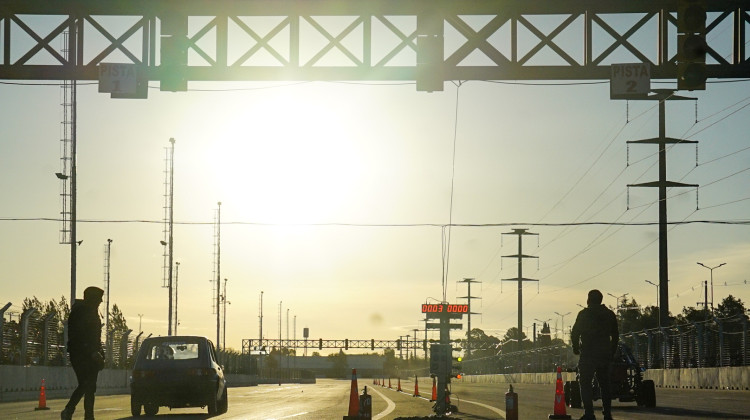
column 444, row 308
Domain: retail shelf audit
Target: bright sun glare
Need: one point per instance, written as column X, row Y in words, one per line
column 287, row 158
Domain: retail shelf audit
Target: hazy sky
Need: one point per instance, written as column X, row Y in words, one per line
column 334, row 196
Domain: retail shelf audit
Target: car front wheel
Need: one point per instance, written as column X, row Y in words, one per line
column 135, row 406
column 150, row 408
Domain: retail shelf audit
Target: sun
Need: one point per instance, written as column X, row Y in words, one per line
column 287, row 157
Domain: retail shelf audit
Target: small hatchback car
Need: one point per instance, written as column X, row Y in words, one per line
column 176, row 372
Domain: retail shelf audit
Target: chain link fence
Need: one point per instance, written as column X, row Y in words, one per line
column 712, row 343
column 33, row 339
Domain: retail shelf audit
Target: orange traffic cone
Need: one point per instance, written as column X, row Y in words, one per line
column 559, row 412
column 416, row 387
column 42, row 398
column 434, row 391
column 353, row 398
column 399, row 385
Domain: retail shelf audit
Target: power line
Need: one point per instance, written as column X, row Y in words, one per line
column 388, row 225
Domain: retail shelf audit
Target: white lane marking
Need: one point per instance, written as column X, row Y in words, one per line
column 294, row 415
column 391, row 405
column 489, row 407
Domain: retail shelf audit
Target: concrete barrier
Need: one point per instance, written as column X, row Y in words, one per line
column 735, row 378
column 23, row 383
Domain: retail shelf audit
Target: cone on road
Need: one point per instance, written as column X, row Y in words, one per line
column 42, row 398
column 416, row 387
column 434, row 391
column 353, row 398
column 559, row 410
column 399, row 385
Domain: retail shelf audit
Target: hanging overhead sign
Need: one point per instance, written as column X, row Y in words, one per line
column 629, row 81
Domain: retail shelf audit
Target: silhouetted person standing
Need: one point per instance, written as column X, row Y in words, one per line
column 85, row 349
column 594, row 336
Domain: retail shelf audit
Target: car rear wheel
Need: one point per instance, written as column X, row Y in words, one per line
column 649, row 393
column 224, row 402
column 135, row 406
column 150, row 408
column 213, row 404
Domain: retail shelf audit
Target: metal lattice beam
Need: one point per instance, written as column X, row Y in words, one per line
column 210, row 39
column 372, row 344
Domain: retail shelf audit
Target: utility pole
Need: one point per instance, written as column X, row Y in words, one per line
column 663, row 95
column 469, row 298
column 260, row 318
column 617, row 300
column 415, row 342
column 520, row 279
column 218, row 274
column 280, row 321
column 176, row 277
column 224, row 302
column 107, row 261
column 562, row 317
column 712, row 281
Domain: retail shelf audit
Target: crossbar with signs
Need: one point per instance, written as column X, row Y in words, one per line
column 488, row 29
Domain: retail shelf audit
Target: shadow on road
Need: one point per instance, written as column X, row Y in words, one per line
column 170, row 416
column 679, row 412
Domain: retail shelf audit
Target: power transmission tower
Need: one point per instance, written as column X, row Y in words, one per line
column 107, row 265
column 520, row 279
column 67, row 174
column 216, row 295
column 167, row 241
column 663, row 95
column 468, row 298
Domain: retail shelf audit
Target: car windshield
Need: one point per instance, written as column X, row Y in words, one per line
column 172, row 350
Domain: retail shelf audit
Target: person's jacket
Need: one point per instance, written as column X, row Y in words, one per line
column 84, row 329
column 595, row 333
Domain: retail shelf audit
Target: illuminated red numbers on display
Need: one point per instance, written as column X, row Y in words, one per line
column 437, row 308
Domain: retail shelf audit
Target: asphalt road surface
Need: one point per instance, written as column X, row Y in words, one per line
column 329, row 399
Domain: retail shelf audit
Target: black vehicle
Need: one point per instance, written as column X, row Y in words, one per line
column 176, row 372
column 626, row 382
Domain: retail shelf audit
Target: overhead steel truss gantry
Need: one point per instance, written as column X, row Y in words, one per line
column 373, row 40
column 249, row 345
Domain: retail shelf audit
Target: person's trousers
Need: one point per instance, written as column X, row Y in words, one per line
column 86, row 374
column 587, row 369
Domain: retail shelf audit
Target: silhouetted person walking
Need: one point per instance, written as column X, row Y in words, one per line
column 85, row 349
column 594, row 336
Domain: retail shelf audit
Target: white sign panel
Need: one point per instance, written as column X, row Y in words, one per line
column 630, row 80
column 117, row 78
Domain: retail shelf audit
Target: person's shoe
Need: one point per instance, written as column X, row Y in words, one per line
column 588, row 417
column 608, row 417
column 66, row 414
